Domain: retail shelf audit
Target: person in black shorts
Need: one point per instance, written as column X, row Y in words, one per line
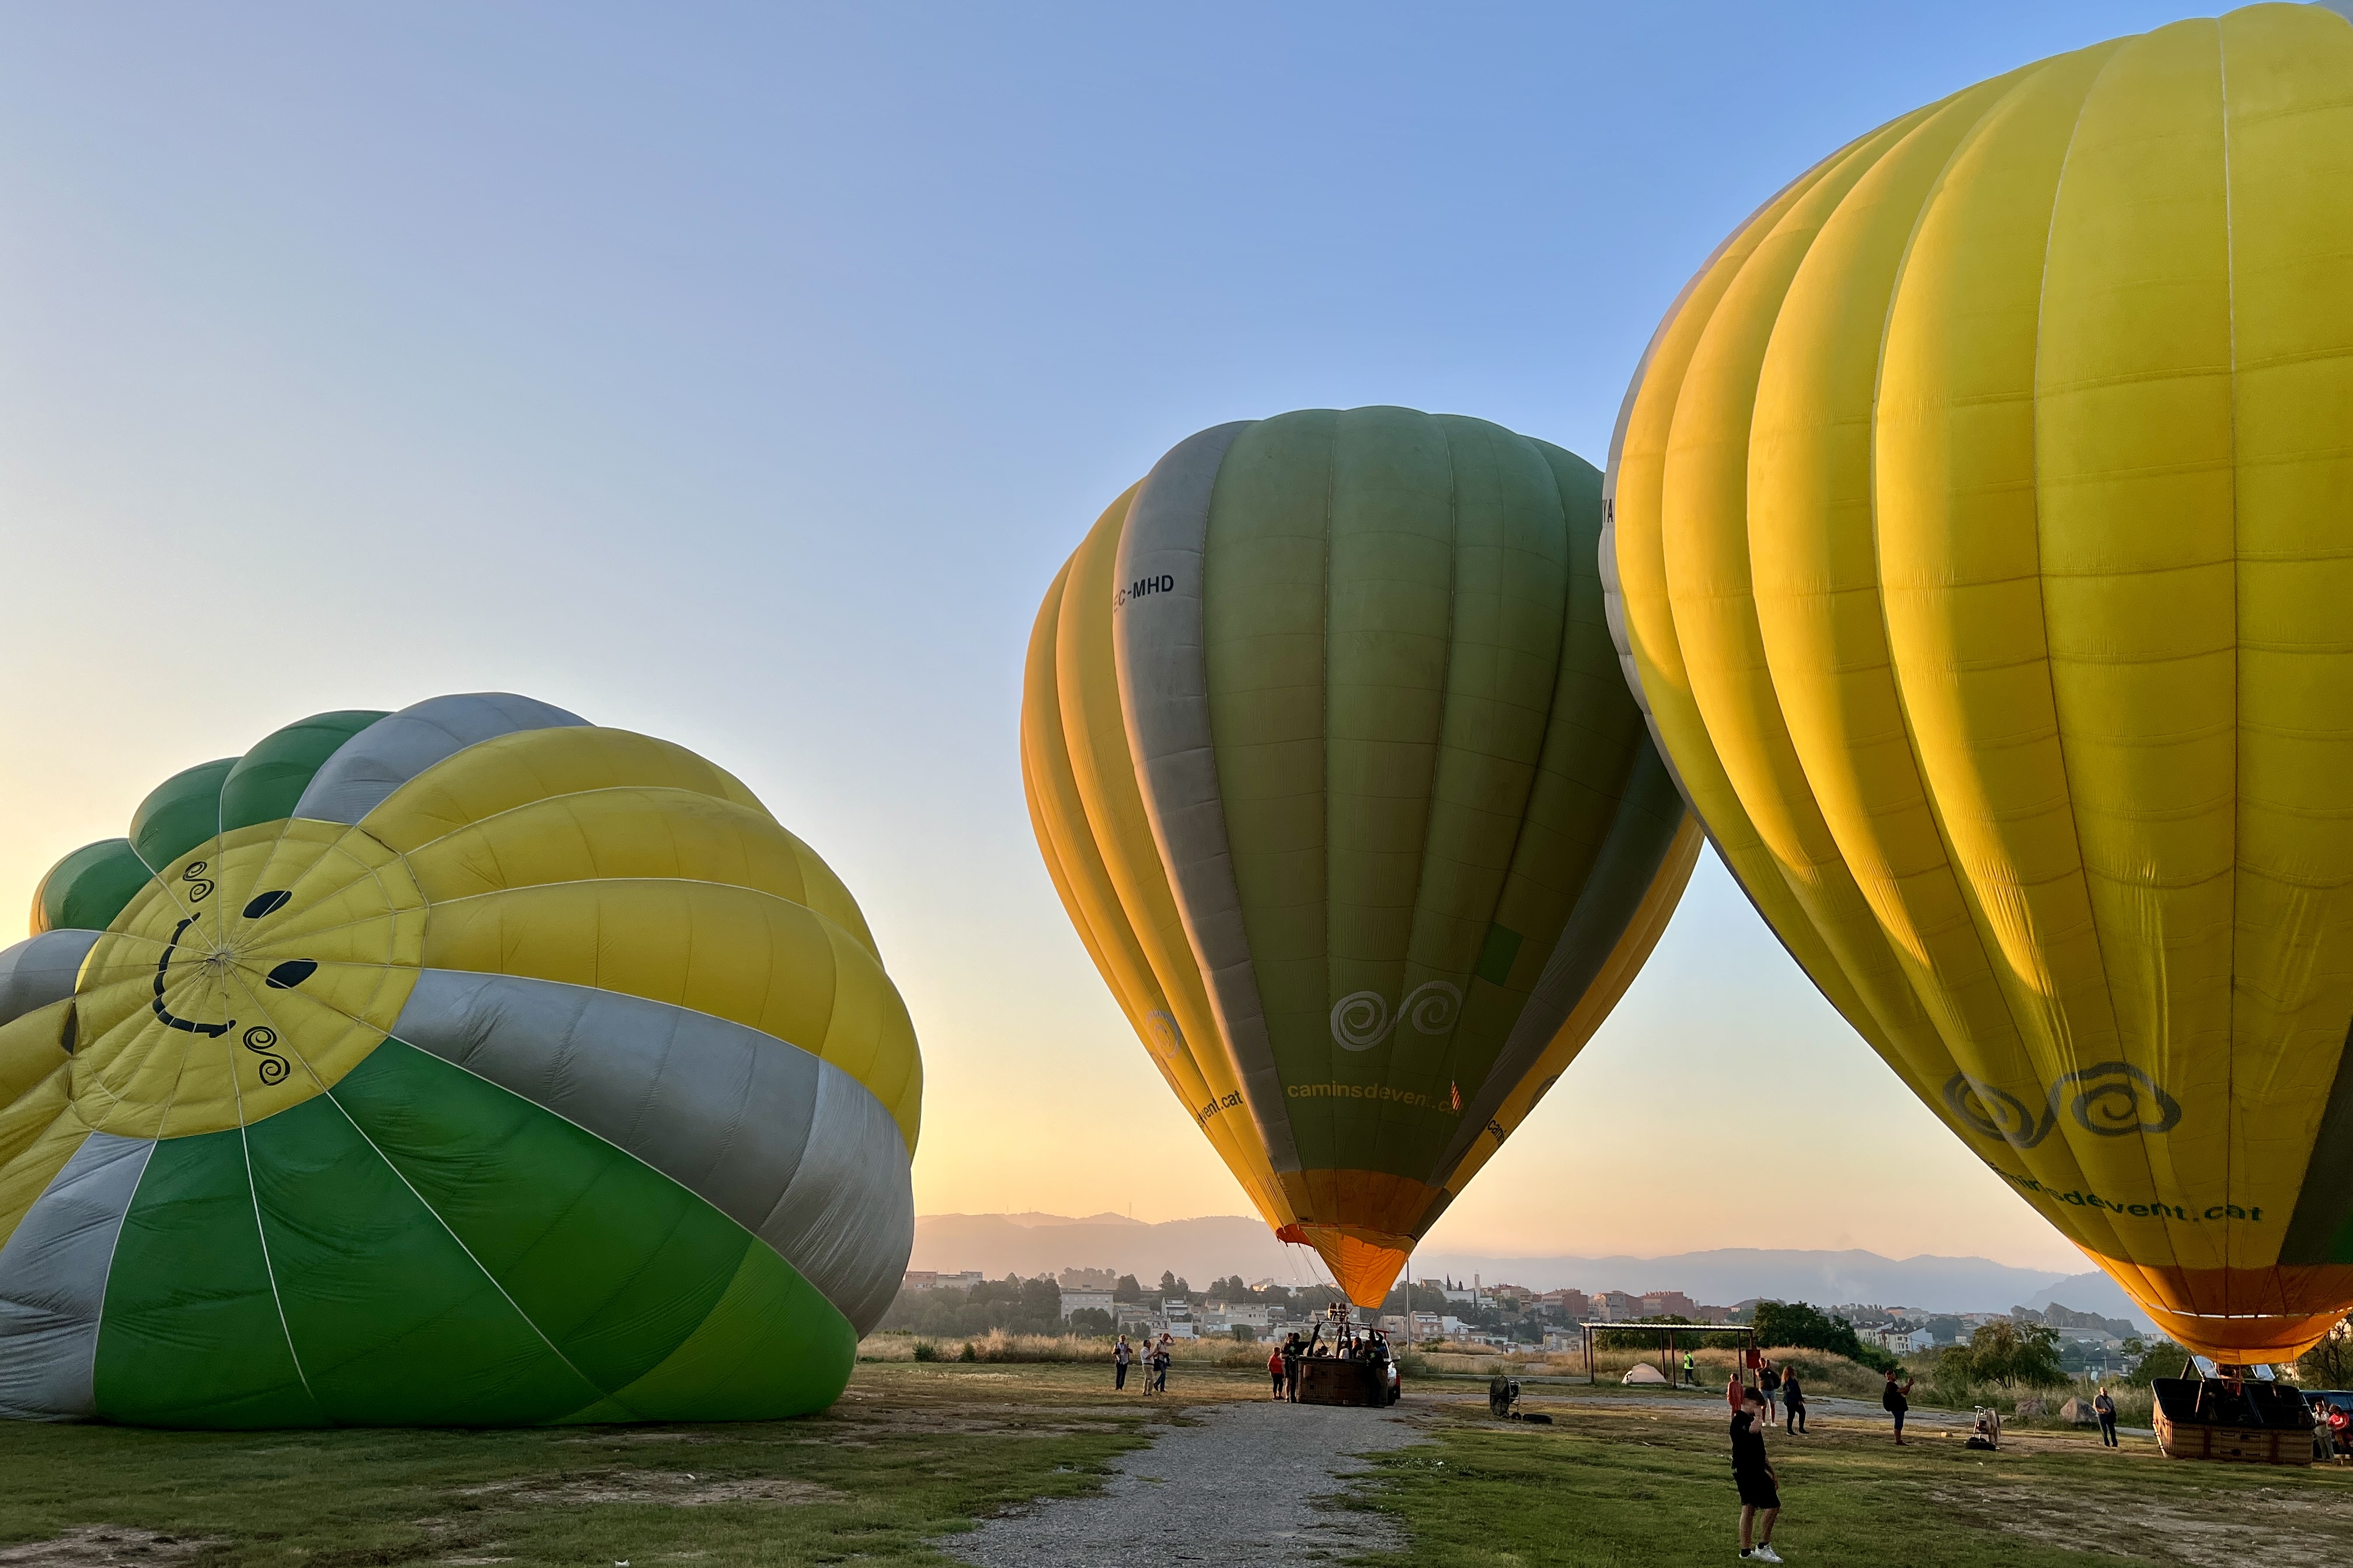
column 1752, row 1473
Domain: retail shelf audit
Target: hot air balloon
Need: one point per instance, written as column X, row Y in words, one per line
column 1329, row 761
column 467, row 1065
column 1981, row 543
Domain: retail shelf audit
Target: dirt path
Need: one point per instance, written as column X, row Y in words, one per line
column 1243, row 1482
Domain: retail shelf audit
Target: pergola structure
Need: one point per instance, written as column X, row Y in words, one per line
column 1696, row 1331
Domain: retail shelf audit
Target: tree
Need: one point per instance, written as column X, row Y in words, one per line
column 1810, row 1328
column 2147, row 1360
column 2329, row 1363
column 1092, row 1321
column 2008, row 1352
column 1127, row 1290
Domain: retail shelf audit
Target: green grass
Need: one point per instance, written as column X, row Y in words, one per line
column 1612, row 1484
column 910, row 1453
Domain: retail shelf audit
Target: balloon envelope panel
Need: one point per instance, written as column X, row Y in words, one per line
column 1327, row 756
column 468, row 1065
column 1979, row 543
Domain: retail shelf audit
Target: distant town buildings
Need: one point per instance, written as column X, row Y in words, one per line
column 932, row 1279
column 1503, row 1313
column 1080, row 1300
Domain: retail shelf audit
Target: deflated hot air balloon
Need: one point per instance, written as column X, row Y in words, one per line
column 1982, row 549
column 465, row 1065
column 1330, row 763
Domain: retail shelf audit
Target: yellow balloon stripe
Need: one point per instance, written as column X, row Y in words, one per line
column 38, row 1134
column 633, row 831
column 733, row 952
column 2290, row 140
column 1058, row 818
column 1960, row 560
column 1638, row 473
column 1103, row 771
column 1857, row 840
column 1099, row 848
column 515, row 770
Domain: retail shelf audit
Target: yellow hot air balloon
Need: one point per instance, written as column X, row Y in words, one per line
column 1981, row 550
column 1329, row 760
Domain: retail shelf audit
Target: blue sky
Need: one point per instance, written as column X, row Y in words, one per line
column 742, row 374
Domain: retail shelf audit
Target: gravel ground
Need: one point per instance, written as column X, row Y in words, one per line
column 1244, row 1483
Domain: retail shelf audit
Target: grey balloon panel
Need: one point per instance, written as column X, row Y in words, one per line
column 755, row 1126
column 1164, row 688
column 364, row 770
column 41, row 970
column 848, row 1216
column 53, row 1281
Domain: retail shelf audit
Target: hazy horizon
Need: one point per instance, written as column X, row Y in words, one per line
column 742, row 375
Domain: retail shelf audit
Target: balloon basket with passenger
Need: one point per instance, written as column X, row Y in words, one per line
column 1352, row 1365
column 2232, row 1417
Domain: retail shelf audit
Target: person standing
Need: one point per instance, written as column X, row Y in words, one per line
column 1753, row 1477
column 1768, row 1384
column 1895, row 1402
column 1274, row 1371
column 1733, row 1391
column 1690, row 1370
column 1119, row 1356
column 2106, row 1409
column 1292, row 1352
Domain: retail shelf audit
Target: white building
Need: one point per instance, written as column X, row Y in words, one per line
column 1076, row 1300
column 1243, row 1314
column 1905, row 1341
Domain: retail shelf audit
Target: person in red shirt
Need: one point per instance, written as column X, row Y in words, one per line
column 1733, row 1391
column 1274, row 1370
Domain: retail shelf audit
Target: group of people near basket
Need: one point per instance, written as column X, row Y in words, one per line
column 1284, row 1365
column 1155, row 1355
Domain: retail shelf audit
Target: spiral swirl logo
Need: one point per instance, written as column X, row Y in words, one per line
column 1431, row 1007
column 1361, row 1019
column 2115, row 1100
column 1991, row 1112
column 1162, row 1037
column 258, row 1040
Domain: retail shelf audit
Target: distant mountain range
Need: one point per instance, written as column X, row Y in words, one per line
column 1204, row 1249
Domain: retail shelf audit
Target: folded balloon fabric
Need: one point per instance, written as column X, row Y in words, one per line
column 467, row 1065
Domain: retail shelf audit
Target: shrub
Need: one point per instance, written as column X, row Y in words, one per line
column 968, row 1352
column 926, row 1351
